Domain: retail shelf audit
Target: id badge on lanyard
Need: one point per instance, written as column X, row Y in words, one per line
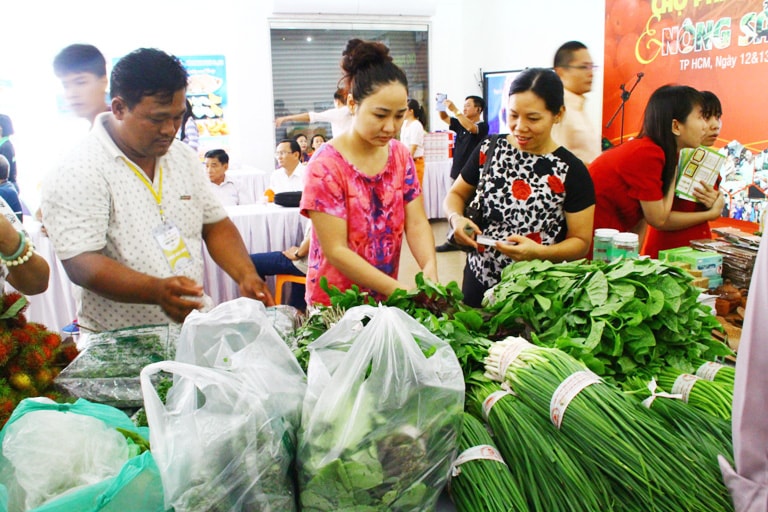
column 166, row 234
column 173, row 246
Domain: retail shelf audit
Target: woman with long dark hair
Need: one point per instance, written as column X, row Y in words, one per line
column 635, row 182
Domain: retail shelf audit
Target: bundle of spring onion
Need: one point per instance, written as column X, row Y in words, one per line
column 716, row 372
column 709, row 396
column 552, row 476
column 711, row 434
column 637, row 452
column 480, row 478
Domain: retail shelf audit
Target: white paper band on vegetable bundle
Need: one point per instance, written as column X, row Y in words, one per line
column 567, row 391
column 684, row 384
column 481, row 452
column 494, row 397
column 652, row 388
column 708, row 370
column 512, row 350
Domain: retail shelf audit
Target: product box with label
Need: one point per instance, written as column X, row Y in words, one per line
column 709, row 263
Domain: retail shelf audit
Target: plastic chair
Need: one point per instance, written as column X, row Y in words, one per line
column 281, row 279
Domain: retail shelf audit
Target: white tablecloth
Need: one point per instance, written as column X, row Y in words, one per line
column 254, row 181
column 264, row 227
column 55, row 308
column 437, row 181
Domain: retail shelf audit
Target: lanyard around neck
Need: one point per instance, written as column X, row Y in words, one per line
column 157, row 194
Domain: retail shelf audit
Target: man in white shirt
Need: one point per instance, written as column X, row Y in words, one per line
column 290, row 176
column 576, row 132
column 228, row 192
column 340, row 117
column 128, row 210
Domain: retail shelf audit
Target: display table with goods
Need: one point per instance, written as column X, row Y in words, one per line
column 572, row 369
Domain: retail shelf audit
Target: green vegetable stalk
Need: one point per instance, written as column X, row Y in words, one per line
column 712, row 397
column 550, row 473
column 482, row 482
column 633, row 449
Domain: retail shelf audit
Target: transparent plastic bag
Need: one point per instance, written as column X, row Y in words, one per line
column 220, row 445
column 107, row 369
column 381, row 416
column 66, row 457
column 239, row 336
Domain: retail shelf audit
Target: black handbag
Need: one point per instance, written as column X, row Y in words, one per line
column 474, row 208
column 288, row 199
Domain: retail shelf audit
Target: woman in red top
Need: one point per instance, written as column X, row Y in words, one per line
column 634, row 182
column 658, row 240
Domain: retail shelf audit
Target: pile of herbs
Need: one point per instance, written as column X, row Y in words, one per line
column 625, row 320
column 437, row 307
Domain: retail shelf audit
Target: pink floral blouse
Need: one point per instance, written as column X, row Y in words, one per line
column 372, row 206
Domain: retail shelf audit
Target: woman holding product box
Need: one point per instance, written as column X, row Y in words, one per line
column 536, row 197
column 656, row 239
column 635, row 182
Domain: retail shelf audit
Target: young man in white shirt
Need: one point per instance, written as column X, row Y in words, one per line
column 340, row 117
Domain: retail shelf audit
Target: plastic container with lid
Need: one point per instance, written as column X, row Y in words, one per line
column 625, row 245
column 602, row 241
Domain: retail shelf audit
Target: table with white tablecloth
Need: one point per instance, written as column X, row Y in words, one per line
column 264, row 227
column 437, row 182
column 254, row 181
column 55, row 308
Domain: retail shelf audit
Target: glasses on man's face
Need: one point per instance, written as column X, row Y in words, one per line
column 584, row 67
column 278, row 154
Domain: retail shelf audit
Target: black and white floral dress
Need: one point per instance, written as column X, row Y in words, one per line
column 524, row 194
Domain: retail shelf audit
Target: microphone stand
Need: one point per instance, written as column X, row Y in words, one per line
column 625, row 94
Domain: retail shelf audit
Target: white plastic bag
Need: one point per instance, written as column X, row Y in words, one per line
column 219, row 444
column 381, row 416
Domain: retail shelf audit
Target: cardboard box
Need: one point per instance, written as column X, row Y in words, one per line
column 709, row 263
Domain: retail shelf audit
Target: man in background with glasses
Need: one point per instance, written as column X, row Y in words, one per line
column 574, row 66
column 290, row 176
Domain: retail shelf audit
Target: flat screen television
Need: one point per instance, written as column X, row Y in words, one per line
column 496, row 91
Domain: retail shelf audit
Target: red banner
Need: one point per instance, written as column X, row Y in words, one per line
column 715, row 45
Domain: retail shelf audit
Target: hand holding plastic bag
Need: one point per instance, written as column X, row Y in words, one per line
column 381, row 416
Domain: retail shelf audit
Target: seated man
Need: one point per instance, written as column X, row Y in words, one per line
column 292, row 261
column 228, row 192
column 290, row 176
column 7, row 190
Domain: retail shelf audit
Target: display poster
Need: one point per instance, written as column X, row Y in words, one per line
column 207, row 92
column 715, row 45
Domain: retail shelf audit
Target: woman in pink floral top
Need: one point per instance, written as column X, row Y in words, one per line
column 361, row 189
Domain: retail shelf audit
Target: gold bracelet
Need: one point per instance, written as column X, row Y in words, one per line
column 23, row 258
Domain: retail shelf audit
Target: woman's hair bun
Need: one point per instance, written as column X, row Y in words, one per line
column 361, row 54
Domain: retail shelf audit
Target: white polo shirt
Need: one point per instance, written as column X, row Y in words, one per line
column 279, row 181
column 94, row 202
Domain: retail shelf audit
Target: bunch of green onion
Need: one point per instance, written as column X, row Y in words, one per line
column 712, row 435
column 712, row 397
column 716, row 372
column 483, row 483
column 553, row 476
column 641, row 456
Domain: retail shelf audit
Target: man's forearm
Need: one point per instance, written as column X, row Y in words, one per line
column 111, row 279
column 226, row 247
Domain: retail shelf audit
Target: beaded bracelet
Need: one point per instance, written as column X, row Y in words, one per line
column 22, row 259
column 19, row 251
